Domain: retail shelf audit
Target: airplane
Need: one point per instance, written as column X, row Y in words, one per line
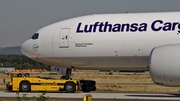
column 127, row 41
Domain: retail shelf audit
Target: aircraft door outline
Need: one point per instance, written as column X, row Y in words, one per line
column 64, row 38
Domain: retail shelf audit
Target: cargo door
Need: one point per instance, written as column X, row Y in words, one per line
column 64, row 38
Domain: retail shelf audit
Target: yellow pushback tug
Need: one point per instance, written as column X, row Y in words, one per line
column 24, row 83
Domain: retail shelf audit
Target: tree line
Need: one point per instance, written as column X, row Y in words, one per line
column 21, row 62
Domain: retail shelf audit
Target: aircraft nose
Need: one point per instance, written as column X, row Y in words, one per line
column 27, row 49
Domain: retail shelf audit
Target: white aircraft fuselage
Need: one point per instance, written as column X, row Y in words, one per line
column 104, row 41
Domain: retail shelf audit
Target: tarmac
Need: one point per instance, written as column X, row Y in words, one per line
column 99, row 95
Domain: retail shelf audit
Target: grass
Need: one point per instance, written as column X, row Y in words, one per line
column 35, row 99
column 51, row 99
column 115, row 82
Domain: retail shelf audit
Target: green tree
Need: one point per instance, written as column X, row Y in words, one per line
column 27, row 65
column 21, row 62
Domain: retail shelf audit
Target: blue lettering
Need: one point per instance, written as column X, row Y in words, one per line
column 86, row 29
column 116, row 28
column 95, row 25
column 179, row 28
column 101, row 27
column 167, row 26
column 125, row 27
column 143, row 27
column 134, row 27
column 157, row 25
column 78, row 28
column 174, row 25
column 107, row 25
column 154, row 24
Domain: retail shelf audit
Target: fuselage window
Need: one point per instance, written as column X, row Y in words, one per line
column 35, row 36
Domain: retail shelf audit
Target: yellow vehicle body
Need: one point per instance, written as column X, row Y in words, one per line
column 38, row 84
column 26, row 84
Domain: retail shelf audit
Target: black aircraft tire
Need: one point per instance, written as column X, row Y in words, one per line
column 86, row 89
column 70, row 87
column 25, row 86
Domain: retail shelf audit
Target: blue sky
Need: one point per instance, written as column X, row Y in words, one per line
column 19, row 19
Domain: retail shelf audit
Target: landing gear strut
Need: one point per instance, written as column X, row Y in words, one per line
column 67, row 75
column 84, row 85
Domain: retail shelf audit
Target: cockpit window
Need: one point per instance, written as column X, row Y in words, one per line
column 35, row 36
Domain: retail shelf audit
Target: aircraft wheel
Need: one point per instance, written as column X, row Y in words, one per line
column 86, row 89
column 70, row 87
column 25, row 86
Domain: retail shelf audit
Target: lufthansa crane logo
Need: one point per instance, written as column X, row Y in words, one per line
column 35, row 47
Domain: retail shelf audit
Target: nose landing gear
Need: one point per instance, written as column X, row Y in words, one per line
column 84, row 85
column 67, row 75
